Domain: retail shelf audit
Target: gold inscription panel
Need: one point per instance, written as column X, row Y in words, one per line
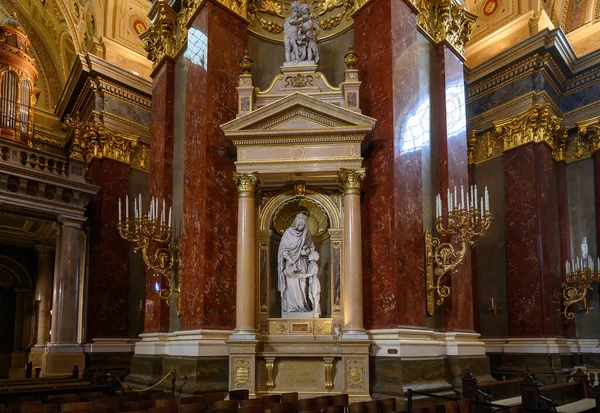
column 300, row 374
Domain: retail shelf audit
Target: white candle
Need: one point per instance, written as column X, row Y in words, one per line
column 449, row 199
column 472, row 196
column 481, row 207
column 475, row 200
column 150, row 213
column 140, row 205
column 567, row 267
column 119, row 209
column 135, row 208
column 487, row 199
column 455, row 198
column 163, row 211
column 450, row 207
column 468, row 204
column 170, row 220
column 127, row 206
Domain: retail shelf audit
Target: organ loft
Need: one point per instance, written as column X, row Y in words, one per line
column 290, row 205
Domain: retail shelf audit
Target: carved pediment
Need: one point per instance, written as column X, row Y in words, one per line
column 299, row 113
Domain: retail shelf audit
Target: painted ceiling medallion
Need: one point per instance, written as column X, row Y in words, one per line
column 267, row 17
column 490, row 7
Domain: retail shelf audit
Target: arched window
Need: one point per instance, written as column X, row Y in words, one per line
column 9, row 99
column 12, row 40
column 24, row 106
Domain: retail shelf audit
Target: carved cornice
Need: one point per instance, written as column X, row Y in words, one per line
column 159, row 39
column 589, row 130
column 92, row 140
column 445, row 21
column 351, row 180
column 246, row 183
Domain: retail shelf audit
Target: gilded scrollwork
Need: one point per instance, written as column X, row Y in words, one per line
column 159, row 40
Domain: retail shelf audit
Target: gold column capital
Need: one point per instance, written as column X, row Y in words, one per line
column 351, row 180
column 159, row 39
column 246, row 183
column 534, row 125
column 471, row 142
column 590, row 130
column 445, row 21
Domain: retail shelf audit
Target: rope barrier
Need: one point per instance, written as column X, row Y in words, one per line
column 127, row 388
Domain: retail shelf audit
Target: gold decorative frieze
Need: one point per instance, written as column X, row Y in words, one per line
column 535, row 125
column 445, row 21
column 159, row 39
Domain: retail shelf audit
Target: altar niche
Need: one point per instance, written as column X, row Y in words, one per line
column 279, row 213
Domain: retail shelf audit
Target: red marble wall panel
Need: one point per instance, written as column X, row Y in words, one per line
column 385, row 36
column 216, row 41
column 108, row 264
column 546, row 173
column 564, row 229
column 475, row 270
column 161, row 179
column 452, row 149
column 532, row 241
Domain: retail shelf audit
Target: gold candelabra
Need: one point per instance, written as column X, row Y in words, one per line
column 580, row 278
column 153, row 235
column 465, row 222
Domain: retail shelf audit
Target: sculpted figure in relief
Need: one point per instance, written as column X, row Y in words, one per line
column 297, row 269
column 300, row 36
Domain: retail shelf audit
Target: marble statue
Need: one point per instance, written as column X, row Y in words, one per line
column 300, row 31
column 297, row 268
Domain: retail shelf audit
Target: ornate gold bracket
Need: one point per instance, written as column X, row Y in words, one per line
column 161, row 254
column 328, row 372
column 270, row 364
column 463, row 227
column 575, row 288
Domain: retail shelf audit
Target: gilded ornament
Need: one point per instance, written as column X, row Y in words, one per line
column 75, row 124
column 246, row 183
column 159, row 40
column 351, row 58
column 471, row 141
column 446, row 21
column 317, row 221
column 590, row 130
column 535, row 125
column 355, row 374
column 242, row 373
column 351, row 180
column 246, row 63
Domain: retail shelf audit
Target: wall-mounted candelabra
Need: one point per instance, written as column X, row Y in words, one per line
column 580, row 278
column 467, row 218
column 153, row 235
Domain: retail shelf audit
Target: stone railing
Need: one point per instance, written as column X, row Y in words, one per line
column 39, row 180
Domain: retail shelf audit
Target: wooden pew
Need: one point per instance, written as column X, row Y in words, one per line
column 576, row 396
column 505, row 393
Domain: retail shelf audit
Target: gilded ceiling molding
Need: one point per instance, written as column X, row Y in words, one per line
column 92, row 140
column 445, row 21
column 535, row 125
column 159, row 40
column 590, row 130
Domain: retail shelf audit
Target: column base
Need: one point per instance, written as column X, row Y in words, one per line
column 59, row 359
column 354, row 334
column 243, row 334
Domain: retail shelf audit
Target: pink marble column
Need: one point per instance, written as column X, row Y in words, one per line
column 43, row 293
column 65, row 300
column 388, row 43
column 210, row 195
